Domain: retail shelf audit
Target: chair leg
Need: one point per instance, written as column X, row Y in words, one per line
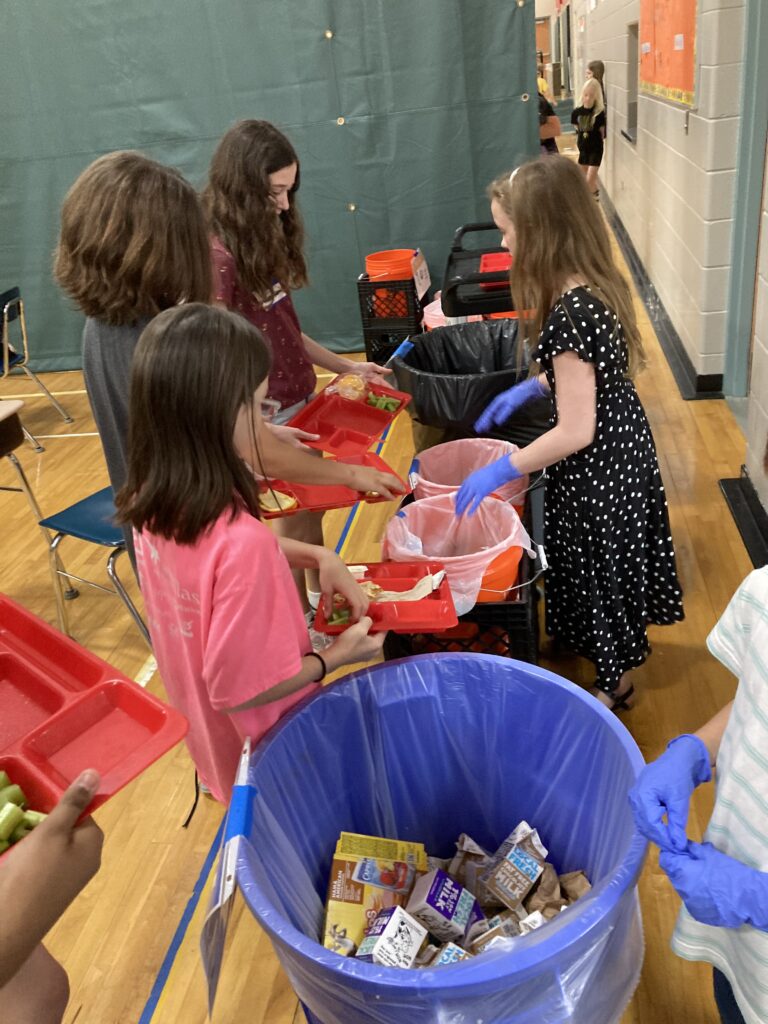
column 125, row 596
column 70, row 593
column 58, row 588
column 60, row 409
column 31, row 499
column 33, row 440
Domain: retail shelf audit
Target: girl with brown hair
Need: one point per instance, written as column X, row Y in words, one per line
column 227, row 628
column 590, row 121
column 612, row 562
column 134, row 242
column 258, row 256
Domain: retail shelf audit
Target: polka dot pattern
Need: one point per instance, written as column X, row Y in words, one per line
column 612, row 560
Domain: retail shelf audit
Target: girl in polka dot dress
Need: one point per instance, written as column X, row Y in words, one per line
column 612, row 561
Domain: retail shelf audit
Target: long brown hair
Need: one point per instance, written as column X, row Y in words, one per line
column 194, row 368
column 560, row 233
column 133, row 240
column 267, row 243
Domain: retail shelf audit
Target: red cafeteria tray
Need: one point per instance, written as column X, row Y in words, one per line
column 62, row 710
column 323, row 497
column 432, row 614
column 495, row 263
column 346, row 426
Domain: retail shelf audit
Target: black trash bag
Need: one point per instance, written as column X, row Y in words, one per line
column 454, row 372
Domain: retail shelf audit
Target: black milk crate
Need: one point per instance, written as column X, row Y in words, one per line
column 390, row 312
column 379, row 346
column 508, row 628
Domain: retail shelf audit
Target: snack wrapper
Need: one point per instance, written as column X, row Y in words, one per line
column 546, row 892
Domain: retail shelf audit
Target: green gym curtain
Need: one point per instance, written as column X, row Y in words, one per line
column 401, row 112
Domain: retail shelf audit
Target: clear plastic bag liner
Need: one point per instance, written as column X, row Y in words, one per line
column 424, row 749
column 429, row 530
column 444, row 468
column 453, row 372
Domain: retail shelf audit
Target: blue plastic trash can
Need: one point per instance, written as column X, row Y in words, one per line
column 424, row 749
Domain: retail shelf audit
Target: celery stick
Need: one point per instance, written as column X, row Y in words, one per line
column 19, row 832
column 12, row 795
column 10, row 817
column 4, row 780
column 33, row 818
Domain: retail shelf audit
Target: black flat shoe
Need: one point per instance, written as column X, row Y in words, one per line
column 619, row 701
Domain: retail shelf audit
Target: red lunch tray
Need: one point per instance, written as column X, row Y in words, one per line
column 65, row 710
column 323, row 497
column 495, row 263
column 433, row 613
column 346, row 426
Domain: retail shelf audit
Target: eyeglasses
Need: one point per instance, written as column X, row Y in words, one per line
column 269, row 409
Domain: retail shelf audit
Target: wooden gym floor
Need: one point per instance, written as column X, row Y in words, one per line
column 130, row 942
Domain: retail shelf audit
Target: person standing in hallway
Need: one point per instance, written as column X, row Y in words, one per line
column 590, row 121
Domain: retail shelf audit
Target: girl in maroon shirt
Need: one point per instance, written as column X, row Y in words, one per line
column 257, row 251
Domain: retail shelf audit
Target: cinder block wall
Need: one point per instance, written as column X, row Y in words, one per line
column 674, row 189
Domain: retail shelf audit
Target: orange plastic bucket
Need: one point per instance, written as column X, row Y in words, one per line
column 500, row 576
column 390, row 265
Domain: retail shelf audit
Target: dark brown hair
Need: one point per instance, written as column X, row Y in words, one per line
column 561, row 233
column 267, row 243
column 133, row 240
column 194, row 368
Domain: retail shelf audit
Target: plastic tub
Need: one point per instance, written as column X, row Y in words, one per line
column 444, row 468
column 429, row 530
column 424, row 749
column 454, row 372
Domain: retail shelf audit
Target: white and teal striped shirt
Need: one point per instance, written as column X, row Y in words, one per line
column 739, row 823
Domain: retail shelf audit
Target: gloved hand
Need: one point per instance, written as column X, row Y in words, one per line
column 503, row 405
column 483, row 482
column 717, row 889
column 665, row 785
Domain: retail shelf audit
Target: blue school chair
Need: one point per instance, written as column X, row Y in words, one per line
column 13, row 312
column 92, row 519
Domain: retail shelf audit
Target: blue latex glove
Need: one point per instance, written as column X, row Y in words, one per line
column 717, row 889
column 503, row 405
column 483, row 482
column 665, row 786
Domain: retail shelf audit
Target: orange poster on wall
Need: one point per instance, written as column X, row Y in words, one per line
column 668, row 49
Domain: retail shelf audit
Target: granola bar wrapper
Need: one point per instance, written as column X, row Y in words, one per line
column 574, row 885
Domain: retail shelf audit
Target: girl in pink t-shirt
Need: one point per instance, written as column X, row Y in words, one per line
column 227, row 627
column 257, row 250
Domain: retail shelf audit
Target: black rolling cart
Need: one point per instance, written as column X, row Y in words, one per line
column 466, row 290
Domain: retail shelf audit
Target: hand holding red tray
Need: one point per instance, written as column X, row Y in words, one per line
column 349, row 425
column 292, row 498
column 65, row 710
column 433, row 613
